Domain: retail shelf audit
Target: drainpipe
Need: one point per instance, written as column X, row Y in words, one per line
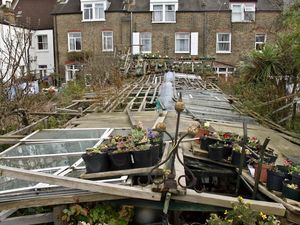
column 131, row 18
column 205, row 34
column 56, row 54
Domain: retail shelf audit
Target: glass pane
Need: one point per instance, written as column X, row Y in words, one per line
column 67, row 134
column 99, row 11
column 223, row 47
column 170, row 16
column 260, row 38
column 78, row 44
column 157, row 16
column 223, row 37
column 49, row 148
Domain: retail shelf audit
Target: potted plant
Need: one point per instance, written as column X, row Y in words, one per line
column 237, row 154
column 274, row 179
column 264, row 168
column 295, row 172
column 215, row 151
column 96, row 159
column 156, row 141
column 205, row 141
column 120, row 158
column 291, row 190
column 253, row 143
column 143, row 156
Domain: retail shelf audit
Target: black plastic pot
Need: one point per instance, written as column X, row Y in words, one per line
column 296, row 179
column 206, row 141
column 236, row 158
column 274, row 180
column 285, row 171
column 215, row 152
column 95, row 163
column 156, row 153
column 227, row 151
column 143, row 158
column 120, row 161
column 270, row 157
column 289, row 192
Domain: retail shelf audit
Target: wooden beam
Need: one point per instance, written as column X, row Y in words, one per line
column 268, row 208
column 179, row 171
column 38, row 201
column 116, row 173
column 29, row 220
column 265, row 191
column 55, row 113
column 105, row 188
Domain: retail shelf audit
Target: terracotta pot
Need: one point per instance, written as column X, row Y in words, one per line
column 264, row 172
column 201, row 133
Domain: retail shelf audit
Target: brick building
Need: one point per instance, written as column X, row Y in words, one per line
column 223, row 29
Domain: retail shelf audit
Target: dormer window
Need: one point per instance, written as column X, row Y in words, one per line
column 242, row 12
column 93, row 10
column 163, row 11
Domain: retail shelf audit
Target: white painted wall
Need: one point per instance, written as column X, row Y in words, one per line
column 38, row 57
column 5, row 32
column 42, row 57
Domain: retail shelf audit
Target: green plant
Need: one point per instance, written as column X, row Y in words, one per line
column 292, row 186
column 237, row 148
column 97, row 150
column 100, row 214
column 242, row 214
column 294, row 169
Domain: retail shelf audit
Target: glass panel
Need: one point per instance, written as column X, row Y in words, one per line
column 49, row 148
column 182, row 42
column 67, row 134
column 99, row 11
column 157, row 14
column 170, row 13
column 88, row 11
column 41, row 163
column 146, row 42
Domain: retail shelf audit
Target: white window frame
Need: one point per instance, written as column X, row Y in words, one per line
column 219, row 42
column 257, row 43
column 44, row 42
column 144, row 38
column 75, row 39
column 95, row 5
column 164, row 4
column 189, row 42
column 105, row 38
column 245, row 7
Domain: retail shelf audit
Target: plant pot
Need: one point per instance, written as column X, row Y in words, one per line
column 285, row 171
column 95, row 163
column 144, row 158
column 236, row 158
column 156, row 151
column 215, row 152
column 274, row 180
column 201, row 133
column 270, row 157
column 120, row 161
column 263, row 175
column 227, row 151
column 289, row 192
column 206, row 141
column 296, row 179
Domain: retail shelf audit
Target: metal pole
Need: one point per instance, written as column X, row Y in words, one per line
column 242, row 158
column 258, row 172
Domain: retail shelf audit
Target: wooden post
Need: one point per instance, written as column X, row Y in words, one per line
column 242, row 157
column 258, row 172
column 293, row 114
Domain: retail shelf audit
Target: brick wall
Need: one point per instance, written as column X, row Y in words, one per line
column 163, row 35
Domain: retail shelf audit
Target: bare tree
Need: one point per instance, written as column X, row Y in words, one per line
column 15, row 45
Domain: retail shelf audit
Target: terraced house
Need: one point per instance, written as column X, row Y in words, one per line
column 223, row 29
